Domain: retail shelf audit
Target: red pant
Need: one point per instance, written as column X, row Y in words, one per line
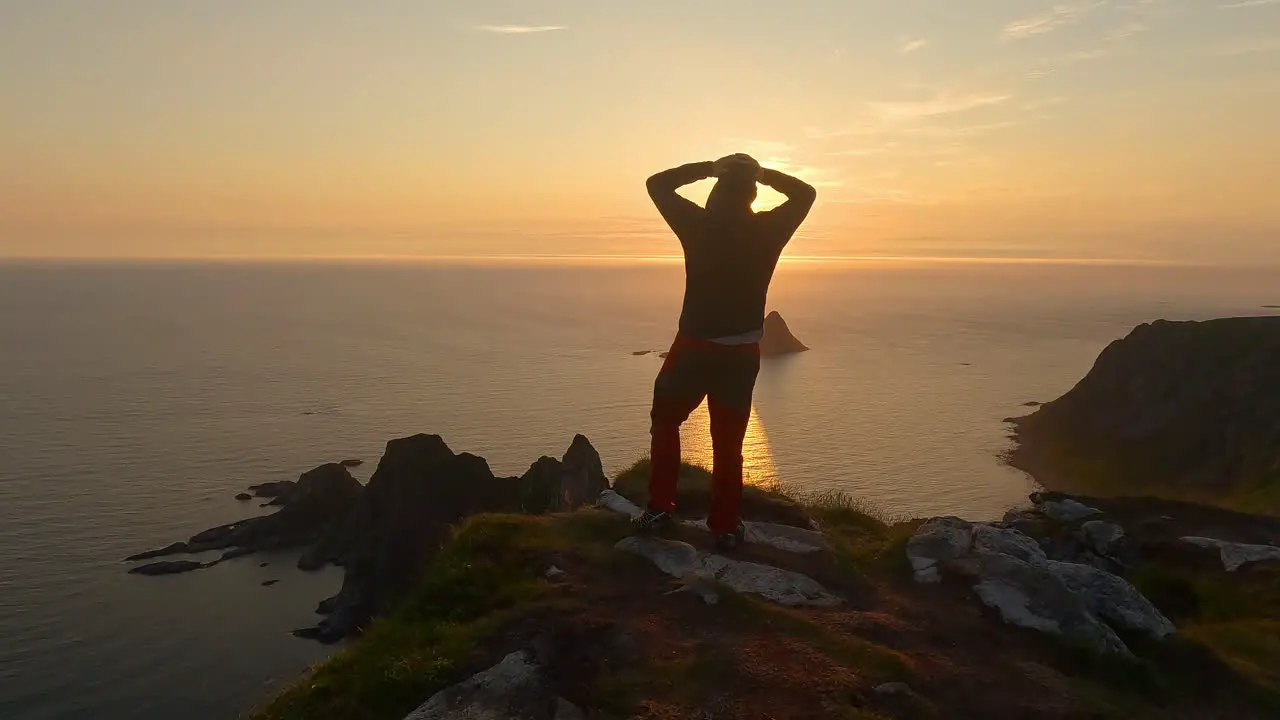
column 725, row 375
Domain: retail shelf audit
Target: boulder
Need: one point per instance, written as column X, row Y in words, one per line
column 244, row 497
column 1113, row 599
column 1066, row 510
column 1104, row 538
column 1236, row 555
column 1013, row 574
column 936, row 541
column 167, row 567
column 787, row 538
column 614, row 502
column 351, row 462
column 514, row 689
column 777, row 338
column 1006, row 541
column 684, row 562
column 1033, row 596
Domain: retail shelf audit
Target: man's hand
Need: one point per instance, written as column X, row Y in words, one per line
column 740, row 164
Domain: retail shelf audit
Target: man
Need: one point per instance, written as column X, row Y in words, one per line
column 730, row 253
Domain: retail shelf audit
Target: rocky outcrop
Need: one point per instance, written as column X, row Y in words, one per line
column 1236, row 555
column 307, row 507
column 418, row 492
column 385, row 533
column 173, row 549
column 1015, row 574
column 519, row 687
column 777, row 338
column 511, row 689
column 1182, row 407
column 272, row 489
column 787, row 538
column 686, row 563
column 168, row 567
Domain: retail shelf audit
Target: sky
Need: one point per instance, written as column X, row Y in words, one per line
column 1113, row 129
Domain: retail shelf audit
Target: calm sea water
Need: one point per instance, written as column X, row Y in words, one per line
column 135, row 400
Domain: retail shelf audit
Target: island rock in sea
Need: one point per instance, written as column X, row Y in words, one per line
column 777, row 339
column 1175, row 408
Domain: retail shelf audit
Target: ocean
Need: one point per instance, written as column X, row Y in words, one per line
column 137, row 399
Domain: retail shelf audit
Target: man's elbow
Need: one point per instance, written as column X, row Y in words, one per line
column 805, row 194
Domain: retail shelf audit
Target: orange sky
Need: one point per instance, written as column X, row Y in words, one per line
column 1104, row 128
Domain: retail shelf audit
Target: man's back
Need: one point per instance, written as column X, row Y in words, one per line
column 730, row 252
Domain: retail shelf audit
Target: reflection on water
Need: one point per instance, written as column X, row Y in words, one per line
column 757, row 458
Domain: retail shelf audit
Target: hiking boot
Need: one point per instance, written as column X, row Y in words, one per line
column 730, row 541
column 651, row 521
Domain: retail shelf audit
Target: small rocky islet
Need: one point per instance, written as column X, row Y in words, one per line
column 777, row 340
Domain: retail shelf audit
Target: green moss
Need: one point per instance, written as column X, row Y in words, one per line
column 694, row 482
column 486, row 575
column 1212, row 597
column 871, row 660
column 1250, row 647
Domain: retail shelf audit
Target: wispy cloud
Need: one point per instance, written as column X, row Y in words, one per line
column 906, row 46
column 941, row 105
column 1247, row 47
column 1125, row 32
column 1046, row 22
column 518, row 29
column 1249, row 4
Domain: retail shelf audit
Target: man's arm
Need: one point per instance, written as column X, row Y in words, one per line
column 786, row 218
column 679, row 212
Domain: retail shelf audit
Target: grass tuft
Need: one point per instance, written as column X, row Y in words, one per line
column 479, row 581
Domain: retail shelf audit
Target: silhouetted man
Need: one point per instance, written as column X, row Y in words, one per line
column 730, row 253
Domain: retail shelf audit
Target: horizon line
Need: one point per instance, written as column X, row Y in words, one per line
column 615, row 258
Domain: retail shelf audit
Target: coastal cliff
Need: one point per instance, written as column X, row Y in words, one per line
column 473, row 596
column 1175, row 409
column 1069, row 607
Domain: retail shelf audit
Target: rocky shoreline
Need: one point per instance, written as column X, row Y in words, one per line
column 384, row 534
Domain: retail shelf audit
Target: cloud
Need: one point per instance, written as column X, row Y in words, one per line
column 1247, row 47
column 906, row 46
column 941, row 105
column 518, row 29
column 1249, row 4
column 1046, row 22
column 1126, row 32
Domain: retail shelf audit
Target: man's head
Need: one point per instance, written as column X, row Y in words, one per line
column 735, row 187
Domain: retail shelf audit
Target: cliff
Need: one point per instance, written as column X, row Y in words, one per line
column 1073, row 607
column 1175, row 409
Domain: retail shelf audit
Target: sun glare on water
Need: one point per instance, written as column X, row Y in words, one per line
column 757, row 457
